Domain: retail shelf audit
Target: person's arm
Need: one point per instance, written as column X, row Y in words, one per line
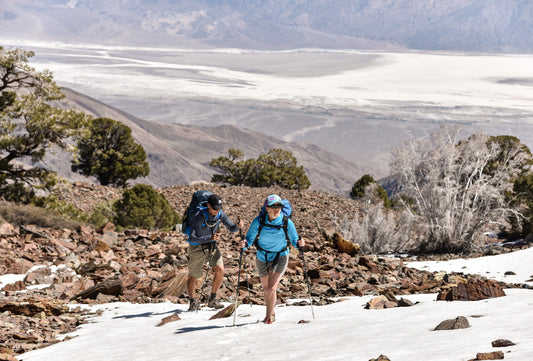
column 232, row 227
column 251, row 234
column 293, row 235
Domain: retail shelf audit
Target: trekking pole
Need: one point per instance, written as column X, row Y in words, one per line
column 248, row 287
column 237, row 290
column 211, row 248
column 307, row 280
column 238, row 275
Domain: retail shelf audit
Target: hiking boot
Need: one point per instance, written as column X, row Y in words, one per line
column 194, row 304
column 214, row 303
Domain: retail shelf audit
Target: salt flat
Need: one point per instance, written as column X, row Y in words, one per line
column 358, row 104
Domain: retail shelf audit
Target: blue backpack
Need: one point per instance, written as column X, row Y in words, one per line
column 198, row 203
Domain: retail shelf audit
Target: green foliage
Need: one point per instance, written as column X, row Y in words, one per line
column 277, row 167
column 52, row 203
column 510, row 150
column 360, row 187
column 144, row 207
column 523, row 189
column 29, row 125
column 102, row 214
column 20, row 214
column 109, row 152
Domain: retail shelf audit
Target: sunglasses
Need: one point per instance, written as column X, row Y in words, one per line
column 276, row 206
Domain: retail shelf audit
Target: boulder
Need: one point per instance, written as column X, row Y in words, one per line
column 453, row 324
column 473, row 290
column 502, row 343
column 496, row 355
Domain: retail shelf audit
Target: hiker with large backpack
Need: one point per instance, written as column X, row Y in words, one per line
column 202, row 223
column 272, row 233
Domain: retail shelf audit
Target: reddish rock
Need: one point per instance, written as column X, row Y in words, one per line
column 7, row 229
column 17, row 286
column 502, row 343
column 474, row 290
column 496, row 355
column 380, row 302
column 172, row 318
column 18, row 266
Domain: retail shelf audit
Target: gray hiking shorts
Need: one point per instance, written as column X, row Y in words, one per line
column 197, row 258
column 279, row 266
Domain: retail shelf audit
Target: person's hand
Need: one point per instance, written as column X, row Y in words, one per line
column 215, row 237
column 240, row 223
column 301, row 243
column 242, row 243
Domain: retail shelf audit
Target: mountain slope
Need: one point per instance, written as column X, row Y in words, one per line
column 469, row 25
column 179, row 154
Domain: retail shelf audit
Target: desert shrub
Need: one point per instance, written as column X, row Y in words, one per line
column 65, row 209
column 376, row 228
column 102, row 214
column 23, row 214
column 142, row 206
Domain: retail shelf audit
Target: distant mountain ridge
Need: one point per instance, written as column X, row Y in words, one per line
column 464, row 25
column 180, row 154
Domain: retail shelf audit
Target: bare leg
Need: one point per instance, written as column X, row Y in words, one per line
column 270, row 285
column 217, row 278
column 192, row 285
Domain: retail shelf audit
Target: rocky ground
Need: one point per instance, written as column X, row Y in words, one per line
column 89, row 266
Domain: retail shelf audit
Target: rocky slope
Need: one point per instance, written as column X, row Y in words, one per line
column 180, row 154
column 100, row 266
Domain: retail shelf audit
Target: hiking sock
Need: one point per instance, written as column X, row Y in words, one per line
column 213, row 296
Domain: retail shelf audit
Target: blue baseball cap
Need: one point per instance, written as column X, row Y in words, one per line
column 273, row 199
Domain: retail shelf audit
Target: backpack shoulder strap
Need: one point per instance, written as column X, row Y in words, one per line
column 285, row 226
column 262, row 220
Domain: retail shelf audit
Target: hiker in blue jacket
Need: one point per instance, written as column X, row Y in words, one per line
column 270, row 233
column 202, row 246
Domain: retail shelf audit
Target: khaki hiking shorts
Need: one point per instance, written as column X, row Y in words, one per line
column 198, row 256
column 280, row 266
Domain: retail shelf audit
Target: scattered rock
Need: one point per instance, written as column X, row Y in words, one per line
column 496, row 355
column 473, row 290
column 225, row 312
column 172, row 318
column 453, row 324
column 111, row 286
column 380, row 358
column 380, row 302
column 502, row 343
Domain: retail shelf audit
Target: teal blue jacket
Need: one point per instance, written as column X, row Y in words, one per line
column 271, row 239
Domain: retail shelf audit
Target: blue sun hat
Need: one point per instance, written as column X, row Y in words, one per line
column 273, row 199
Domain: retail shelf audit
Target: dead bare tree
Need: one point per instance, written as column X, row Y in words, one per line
column 375, row 228
column 457, row 186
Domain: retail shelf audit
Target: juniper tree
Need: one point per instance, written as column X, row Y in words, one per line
column 277, row 167
column 109, row 152
column 29, row 124
column 360, row 187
